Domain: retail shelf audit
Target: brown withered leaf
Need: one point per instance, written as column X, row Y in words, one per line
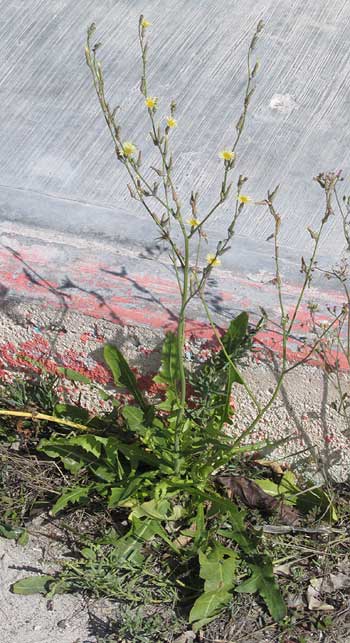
column 182, row 540
column 313, row 597
column 250, row 494
column 334, row 582
column 275, row 467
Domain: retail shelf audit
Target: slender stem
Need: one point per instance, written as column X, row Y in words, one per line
column 345, row 217
column 240, row 128
column 287, row 329
column 211, row 212
column 223, row 245
column 262, row 412
column 307, row 277
column 314, row 346
column 348, row 322
column 180, row 350
column 130, row 166
column 155, row 219
column 43, row 416
column 177, row 274
column 161, row 142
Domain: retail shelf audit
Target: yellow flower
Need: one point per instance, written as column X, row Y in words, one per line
column 227, row 155
column 244, row 199
column 171, row 122
column 193, row 222
column 151, row 102
column 213, row 260
column 145, row 23
column 129, row 148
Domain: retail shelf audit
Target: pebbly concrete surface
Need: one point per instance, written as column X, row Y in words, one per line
column 318, row 436
column 59, row 181
column 35, row 619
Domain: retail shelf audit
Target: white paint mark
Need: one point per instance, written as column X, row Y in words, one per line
column 283, row 103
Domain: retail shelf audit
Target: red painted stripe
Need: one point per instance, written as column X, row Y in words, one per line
column 138, row 299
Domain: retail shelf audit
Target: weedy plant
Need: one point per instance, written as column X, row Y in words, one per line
column 158, row 461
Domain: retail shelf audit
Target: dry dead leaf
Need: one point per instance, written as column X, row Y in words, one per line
column 182, row 540
column 276, row 467
column 283, row 570
column 186, row 637
column 313, row 597
column 334, row 582
column 295, row 601
column 254, row 497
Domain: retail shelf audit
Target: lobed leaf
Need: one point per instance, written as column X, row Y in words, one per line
column 263, row 581
column 73, row 495
column 218, row 568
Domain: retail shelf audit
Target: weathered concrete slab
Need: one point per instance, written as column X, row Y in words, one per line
column 57, row 170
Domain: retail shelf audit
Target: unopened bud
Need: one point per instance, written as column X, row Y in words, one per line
column 255, row 69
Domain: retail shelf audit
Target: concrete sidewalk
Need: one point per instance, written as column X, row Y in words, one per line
column 59, row 181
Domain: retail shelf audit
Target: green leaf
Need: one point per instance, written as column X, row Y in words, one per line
column 120, row 495
column 11, row 533
column 232, row 376
column 235, row 334
column 24, row 538
column 72, row 495
column 33, row 585
column 147, row 529
column 72, row 412
column 283, row 489
column 134, row 418
column 75, row 376
column 262, row 580
column 112, row 457
column 122, row 374
column 168, row 372
column 218, row 568
column 136, row 454
column 90, row 443
column 114, row 496
column 232, row 340
column 317, row 498
column 72, row 457
column 235, row 516
column 207, row 607
column 103, row 472
column 201, row 530
column 88, row 553
column 153, row 509
column 128, row 549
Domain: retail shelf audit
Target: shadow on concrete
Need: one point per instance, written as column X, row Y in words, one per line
column 69, row 284
column 323, row 458
column 8, row 304
column 145, row 293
